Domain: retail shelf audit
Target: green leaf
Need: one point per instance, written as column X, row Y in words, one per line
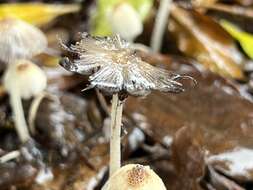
column 100, row 23
column 244, row 38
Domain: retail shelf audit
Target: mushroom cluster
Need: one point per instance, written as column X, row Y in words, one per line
column 20, row 41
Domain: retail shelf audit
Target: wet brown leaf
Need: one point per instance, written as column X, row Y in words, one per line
column 203, row 2
column 58, row 79
column 199, row 37
column 214, row 107
column 77, row 175
column 13, row 174
column 220, row 182
column 63, row 121
column 188, row 159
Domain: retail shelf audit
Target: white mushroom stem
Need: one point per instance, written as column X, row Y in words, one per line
column 19, row 118
column 116, row 117
column 23, row 79
column 160, row 24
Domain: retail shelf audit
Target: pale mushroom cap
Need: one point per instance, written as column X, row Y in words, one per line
column 113, row 67
column 126, row 21
column 134, row 176
column 19, row 40
column 28, row 78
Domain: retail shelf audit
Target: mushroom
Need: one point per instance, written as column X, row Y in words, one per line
column 160, row 24
column 126, row 21
column 23, row 79
column 134, row 176
column 116, row 69
column 20, row 40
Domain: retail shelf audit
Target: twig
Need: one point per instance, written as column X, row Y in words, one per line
column 9, row 156
column 160, row 25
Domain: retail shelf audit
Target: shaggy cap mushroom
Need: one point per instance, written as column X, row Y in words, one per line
column 116, row 68
column 134, row 176
column 20, row 40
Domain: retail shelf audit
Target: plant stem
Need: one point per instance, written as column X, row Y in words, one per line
column 160, row 24
column 19, row 118
column 116, row 116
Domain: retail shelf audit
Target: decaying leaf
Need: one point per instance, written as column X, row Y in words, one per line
column 201, row 38
column 17, row 174
column 203, row 2
column 203, row 108
column 188, row 159
column 235, row 163
column 36, row 13
column 77, row 175
column 219, row 181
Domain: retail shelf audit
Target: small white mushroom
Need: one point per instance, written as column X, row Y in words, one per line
column 134, row 177
column 19, row 40
column 23, row 79
column 126, row 21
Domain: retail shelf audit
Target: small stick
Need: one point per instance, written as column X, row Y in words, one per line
column 237, row 10
column 102, row 102
column 9, row 156
column 116, row 117
column 34, row 109
column 160, row 25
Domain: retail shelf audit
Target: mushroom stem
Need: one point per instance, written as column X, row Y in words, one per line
column 116, row 116
column 19, row 118
column 160, row 24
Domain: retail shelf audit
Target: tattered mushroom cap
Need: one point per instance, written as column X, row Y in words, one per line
column 25, row 78
column 114, row 67
column 19, row 40
column 134, row 176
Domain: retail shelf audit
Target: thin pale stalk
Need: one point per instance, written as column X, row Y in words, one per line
column 19, row 118
column 116, row 117
column 9, row 156
column 34, row 109
column 160, row 24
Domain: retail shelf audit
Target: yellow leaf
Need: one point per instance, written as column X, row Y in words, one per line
column 36, row 13
column 244, row 38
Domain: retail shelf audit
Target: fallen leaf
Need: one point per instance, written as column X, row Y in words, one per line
column 36, row 13
column 201, row 38
column 215, row 108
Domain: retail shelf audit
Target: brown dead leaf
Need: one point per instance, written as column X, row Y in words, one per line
column 188, row 158
column 214, row 107
column 199, row 37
